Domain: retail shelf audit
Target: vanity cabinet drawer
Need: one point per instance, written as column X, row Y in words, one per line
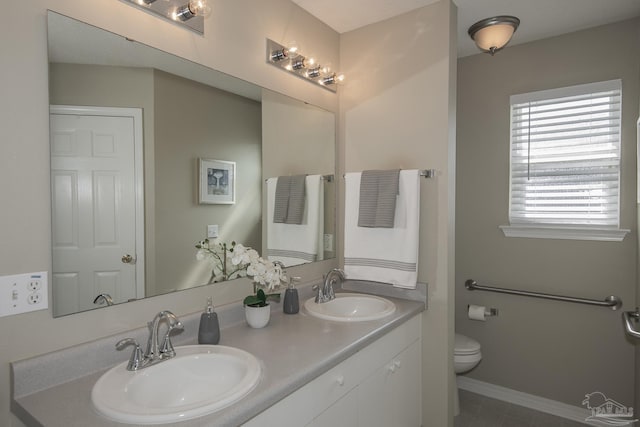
column 302, row 406
column 336, row 391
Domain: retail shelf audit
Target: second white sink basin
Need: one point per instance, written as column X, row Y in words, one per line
column 348, row 307
column 199, row 380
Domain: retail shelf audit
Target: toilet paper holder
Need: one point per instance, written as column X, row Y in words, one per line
column 488, row 312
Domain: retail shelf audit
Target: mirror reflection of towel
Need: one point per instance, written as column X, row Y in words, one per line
column 289, row 200
column 294, row 244
column 378, row 194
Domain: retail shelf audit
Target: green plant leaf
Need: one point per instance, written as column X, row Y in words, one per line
column 257, row 300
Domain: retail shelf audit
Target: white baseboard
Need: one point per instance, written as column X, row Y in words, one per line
column 530, row 401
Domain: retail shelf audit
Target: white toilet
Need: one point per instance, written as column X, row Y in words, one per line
column 466, row 356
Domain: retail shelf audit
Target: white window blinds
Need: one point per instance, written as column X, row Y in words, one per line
column 565, row 156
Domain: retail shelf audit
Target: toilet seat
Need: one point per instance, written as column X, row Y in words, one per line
column 465, row 346
column 466, row 354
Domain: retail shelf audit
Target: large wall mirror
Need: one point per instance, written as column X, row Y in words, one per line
column 150, row 153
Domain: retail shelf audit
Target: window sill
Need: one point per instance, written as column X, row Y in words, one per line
column 565, row 233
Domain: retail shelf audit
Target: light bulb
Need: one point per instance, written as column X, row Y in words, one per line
column 191, row 9
column 314, row 71
column 332, row 79
column 200, row 7
column 301, row 62
column 293, row 49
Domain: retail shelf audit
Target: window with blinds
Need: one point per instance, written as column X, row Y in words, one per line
column 565, row 156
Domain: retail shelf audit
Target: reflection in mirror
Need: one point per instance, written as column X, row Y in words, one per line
column 130, row 126
column 298, row 161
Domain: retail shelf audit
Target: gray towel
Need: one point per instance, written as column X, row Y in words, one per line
column 296, row 199
column 281, row 204
column 289, row 199
column 378, row 194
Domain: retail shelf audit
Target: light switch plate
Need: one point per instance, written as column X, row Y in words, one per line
column 212, row 231
column 22, row 293
column 328, row 242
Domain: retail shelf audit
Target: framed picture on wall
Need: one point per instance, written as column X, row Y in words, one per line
column 217, row 183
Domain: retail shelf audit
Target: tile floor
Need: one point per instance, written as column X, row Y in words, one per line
column 481, row 411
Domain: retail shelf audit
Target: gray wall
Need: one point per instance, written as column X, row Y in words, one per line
column 556, row 350
column 197, row 121
column 397, row 110
column 25, row 224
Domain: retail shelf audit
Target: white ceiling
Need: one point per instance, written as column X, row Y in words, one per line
column 539, row 18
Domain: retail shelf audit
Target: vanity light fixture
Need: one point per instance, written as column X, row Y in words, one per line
column 492, row 34
column 188, row 13
column 290, row 59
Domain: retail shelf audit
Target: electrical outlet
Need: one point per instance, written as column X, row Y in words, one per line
column 22, row 293
column 34, row 298
column 34, row 284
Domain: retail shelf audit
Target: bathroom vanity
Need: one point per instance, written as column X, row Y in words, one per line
column 314, row 373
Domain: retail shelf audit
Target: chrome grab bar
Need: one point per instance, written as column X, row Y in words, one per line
column 611, row 301
column 628, row 325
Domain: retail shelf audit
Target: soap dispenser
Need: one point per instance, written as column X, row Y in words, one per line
column 209, row 331
column 291, row 304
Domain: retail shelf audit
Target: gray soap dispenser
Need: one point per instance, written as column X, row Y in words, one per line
column 209, row 331
column 291, row 303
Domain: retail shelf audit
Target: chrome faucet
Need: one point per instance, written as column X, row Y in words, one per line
column 155, row 351
column 103, row 298
column 326, row 292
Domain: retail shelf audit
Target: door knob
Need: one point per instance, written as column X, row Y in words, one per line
column 128, row 259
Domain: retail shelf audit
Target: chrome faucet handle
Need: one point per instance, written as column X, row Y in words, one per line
column 319, row 295
column 137, row 358
column 166, row 350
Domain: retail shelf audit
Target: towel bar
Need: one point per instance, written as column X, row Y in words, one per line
column 427, row 173
column 611, row 301
column 328, row 178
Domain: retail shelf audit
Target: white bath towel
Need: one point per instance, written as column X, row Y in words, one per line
column 388, row 255
column 294, row 244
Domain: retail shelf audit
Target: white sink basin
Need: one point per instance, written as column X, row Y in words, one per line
column 348, row 307
column 199, row 380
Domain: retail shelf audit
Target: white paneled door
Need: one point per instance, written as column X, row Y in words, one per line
column 96, row 190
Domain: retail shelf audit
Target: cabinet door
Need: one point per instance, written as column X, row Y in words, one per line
column 343, row 413
column 391, row 396
column 374, row 407
column 406, row 387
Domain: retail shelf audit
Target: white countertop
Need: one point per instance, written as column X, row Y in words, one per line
column 293, row 350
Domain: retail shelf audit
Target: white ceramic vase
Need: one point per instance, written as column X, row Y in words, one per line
column 257, row 317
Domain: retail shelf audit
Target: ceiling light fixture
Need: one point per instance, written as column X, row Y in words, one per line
column 492, row 34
